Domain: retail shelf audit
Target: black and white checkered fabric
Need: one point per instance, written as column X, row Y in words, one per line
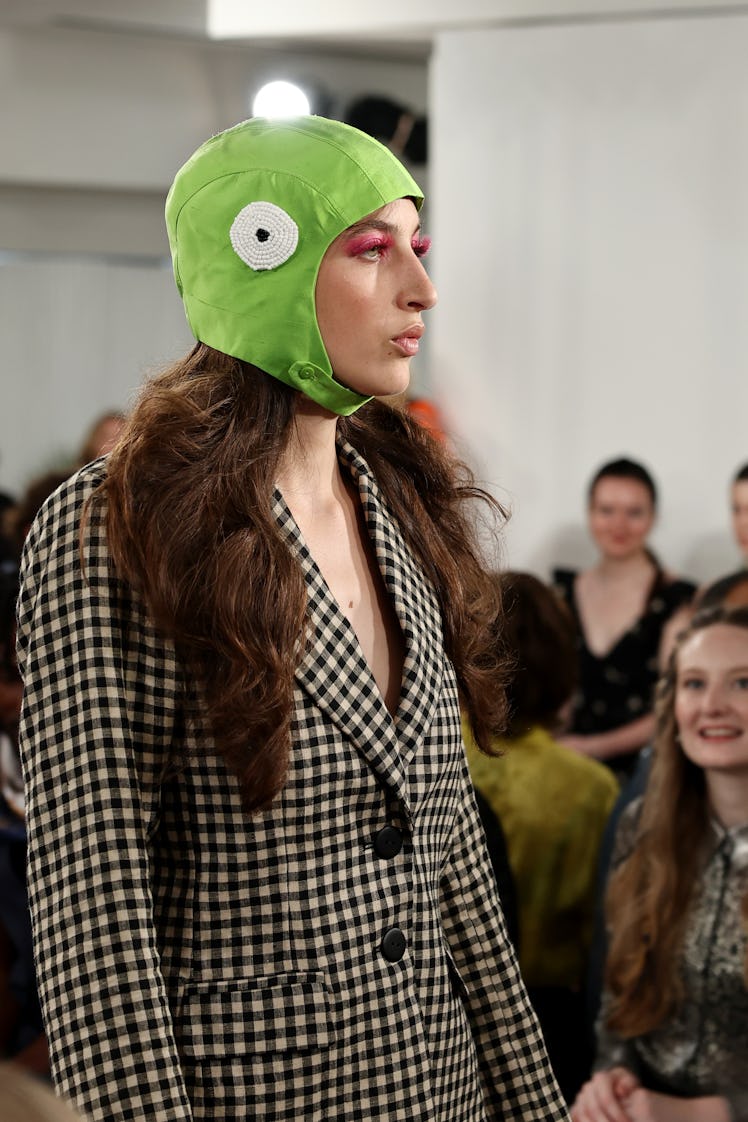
column 198, row 964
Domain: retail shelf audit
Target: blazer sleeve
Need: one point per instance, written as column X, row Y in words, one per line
column 100, row 706
column 518, row 1080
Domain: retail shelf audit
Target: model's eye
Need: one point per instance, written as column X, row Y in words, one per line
column 420, row 246
column 263, row 235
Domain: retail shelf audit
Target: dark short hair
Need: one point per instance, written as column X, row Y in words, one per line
column 624, row 468
column 741, row 475
column 540, row 636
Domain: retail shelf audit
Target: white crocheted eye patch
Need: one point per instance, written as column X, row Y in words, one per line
column 264, row 235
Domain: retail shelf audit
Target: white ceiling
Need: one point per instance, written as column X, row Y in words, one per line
column 191, row 19
column 386, row 27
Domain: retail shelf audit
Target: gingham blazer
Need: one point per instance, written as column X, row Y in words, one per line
column 339, row 957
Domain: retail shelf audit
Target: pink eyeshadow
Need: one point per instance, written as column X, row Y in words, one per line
column 364, row 242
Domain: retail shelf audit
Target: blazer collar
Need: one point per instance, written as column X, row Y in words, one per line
column 333, row 670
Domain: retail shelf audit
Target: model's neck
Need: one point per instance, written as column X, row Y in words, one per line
column 309, row 470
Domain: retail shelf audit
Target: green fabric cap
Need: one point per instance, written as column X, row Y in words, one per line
column 250, row 216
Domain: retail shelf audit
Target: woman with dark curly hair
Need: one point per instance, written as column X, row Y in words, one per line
column 674, row 1021
column 257, row 874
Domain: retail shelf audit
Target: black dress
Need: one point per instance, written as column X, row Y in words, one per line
column 617, row 687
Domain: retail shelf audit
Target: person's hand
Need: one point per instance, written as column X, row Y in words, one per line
column 582, row 744
column 649, row 1106
column 602, row 1098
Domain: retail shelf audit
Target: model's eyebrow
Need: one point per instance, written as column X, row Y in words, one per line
column 375, row 224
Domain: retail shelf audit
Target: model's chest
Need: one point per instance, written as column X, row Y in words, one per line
column 345, row 555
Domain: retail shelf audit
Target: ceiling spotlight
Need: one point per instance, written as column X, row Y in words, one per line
column 280, row 99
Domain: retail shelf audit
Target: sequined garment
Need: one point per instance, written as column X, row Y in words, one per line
column 703, row 1048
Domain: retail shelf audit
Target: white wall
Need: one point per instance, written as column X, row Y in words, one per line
column 591, row 235
column 79, row 335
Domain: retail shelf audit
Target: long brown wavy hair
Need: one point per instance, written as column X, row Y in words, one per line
column 188, row 496
column 649, row 893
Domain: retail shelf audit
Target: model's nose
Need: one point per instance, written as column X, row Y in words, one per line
column 420, row 293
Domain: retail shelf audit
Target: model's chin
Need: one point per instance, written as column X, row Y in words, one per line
column 380, row 383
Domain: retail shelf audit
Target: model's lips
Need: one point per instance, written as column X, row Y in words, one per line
column 408, row 341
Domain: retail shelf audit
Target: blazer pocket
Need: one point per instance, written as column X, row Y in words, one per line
column 282, row 1013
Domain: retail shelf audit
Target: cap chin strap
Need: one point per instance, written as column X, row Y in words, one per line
column 317, row 384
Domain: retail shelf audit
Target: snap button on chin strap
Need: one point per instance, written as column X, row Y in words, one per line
column 320, row 386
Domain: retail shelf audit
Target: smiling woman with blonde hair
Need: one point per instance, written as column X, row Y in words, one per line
column 674, row 1021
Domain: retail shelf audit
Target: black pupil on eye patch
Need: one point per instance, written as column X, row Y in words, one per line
column 262, row 235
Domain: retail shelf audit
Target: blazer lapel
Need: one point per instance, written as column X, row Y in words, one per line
column 417, row 609
column 333, row 670
column 335, row 675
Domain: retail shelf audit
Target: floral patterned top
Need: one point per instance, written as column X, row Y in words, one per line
column 617, row 687
column 703, row 1048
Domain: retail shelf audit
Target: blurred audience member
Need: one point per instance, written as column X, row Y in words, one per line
column 24, row 1098
column 428, row 414
column 552, row 805
column 499, row 856
column 21, row 1032
column 35, row 495
column 739, row 498
column 674, row 1021
column 11, row 785
column 620, row 606
column 21, row 1029
column 101, row 437
column 7, row 515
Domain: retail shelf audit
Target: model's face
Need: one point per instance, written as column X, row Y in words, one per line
column 371, row 291
column 621, row 515
column 740, row 515
column 711, row 698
